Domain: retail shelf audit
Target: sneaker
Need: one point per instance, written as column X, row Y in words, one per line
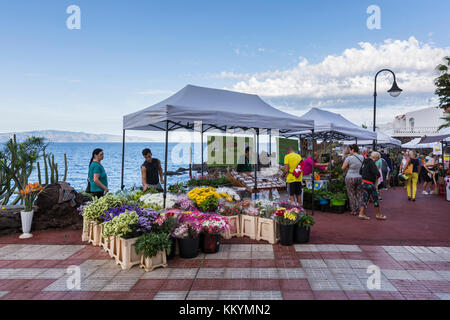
column 424, row 192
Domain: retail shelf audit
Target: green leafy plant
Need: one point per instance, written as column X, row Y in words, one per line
column 149, row 190
column 209, row 204
column 150, row 244
column 97, row 208
column 322, row 194
column 305, row 220
column 209, row 182
column 177, row 188
column 123, row 226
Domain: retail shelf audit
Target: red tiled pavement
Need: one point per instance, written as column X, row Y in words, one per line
column 423, row 222
column 330, row 295
column 297, row 295
column 56, row 236
column 436, row 286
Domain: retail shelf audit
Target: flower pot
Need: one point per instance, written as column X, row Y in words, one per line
column 188, row 247
column 95, row 233
column 235, row 227
column 287, row 234
column 211, row 243
column 301, row 235
column 267, row 230
column 126, row 253
column 324, row 201
column 27, row 219
column 249, row 225
column 173, row 248
column 325, row 208
column 85, row 233
column 339, row 209
column 151, row 263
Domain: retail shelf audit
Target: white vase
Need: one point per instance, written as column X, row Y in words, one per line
column 27, row 219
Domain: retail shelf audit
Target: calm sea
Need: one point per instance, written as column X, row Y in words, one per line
column 79, row 155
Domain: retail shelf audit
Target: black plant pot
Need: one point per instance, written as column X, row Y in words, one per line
column 338, row 209
column 211, row 243
column 287, row 234
column 301, row 235
column 188, row 247
column 173, row 247
column 325, row 208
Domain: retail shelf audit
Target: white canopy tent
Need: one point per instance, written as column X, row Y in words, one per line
column 382, row 139
column 415, row 144
column 332, row 125
column 213, row 109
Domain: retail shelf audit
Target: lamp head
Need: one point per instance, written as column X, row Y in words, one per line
column 395, row 90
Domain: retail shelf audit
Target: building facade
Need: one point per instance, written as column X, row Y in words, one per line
column 418, row 123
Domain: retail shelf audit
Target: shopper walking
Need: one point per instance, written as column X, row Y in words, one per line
column 370, row 175
column 97, row 178
column 411, row 170
column 294, row 184
column 353, row 182
column 427, row 173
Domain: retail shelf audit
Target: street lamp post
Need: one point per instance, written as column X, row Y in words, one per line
column 394, row 92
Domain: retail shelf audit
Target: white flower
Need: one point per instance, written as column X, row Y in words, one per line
column 158, row 199
column 233, row 194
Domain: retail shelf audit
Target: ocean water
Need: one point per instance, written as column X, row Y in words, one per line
column 79, row 155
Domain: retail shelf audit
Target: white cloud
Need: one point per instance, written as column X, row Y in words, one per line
column 350, row 73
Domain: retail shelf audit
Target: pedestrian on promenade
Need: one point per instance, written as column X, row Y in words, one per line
column 97, row 178
column 370, row 175
column 413, row 176
column 150, row 170
column 427, row 173
column 353, row 182
column 294, row 184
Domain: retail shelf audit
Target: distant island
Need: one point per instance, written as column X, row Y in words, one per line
column 69, row 136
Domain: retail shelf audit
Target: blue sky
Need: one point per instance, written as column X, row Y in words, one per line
column 131, row 54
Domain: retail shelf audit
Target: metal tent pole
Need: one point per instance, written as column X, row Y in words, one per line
column 300, row 144
column 201, row 146
column 123, row 160
column 312, row 175
column 270, row 146
column 257, row 161
column 165, row 162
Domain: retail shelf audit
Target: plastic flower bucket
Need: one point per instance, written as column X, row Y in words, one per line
column 189, row 247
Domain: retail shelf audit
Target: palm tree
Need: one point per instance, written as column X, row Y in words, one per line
column 443, row 89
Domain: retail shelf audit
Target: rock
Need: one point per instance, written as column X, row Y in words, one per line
column 174, row 173
column 51, row 214
column 10, row 221
column 182, row 170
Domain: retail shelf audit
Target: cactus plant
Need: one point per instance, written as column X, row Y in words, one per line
column 53, row 166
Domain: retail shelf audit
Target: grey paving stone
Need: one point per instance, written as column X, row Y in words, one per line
column 20, row 273
column 171, row 273
column 3, row 293
column 234, row 295
column 211, row 273
column 264, row 273
column 317, row 284
column 171, row 295
column 265, row 295
column 403, row 256
column 395, row 249
column 440, row 249
column 337, row 263
column 426, row 275
column 262, row 255
column 241, row 248
column 313, row 263
column 444, row 256
column 291, row 273
column 397, row 274
column 120, row 284
column 305, row 247
column 319, row 274
column 430, row 256
column 418, row 249
column 444, row 274
column 92, row 284
column 350, row 283
column 262, row 247
column 348, row 248
column 442, row 296
column 203, row 295
column 327, row 248
column 52, row 273
column 359, row 264
column 238, row 273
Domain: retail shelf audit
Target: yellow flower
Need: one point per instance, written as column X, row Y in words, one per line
column 3, row 208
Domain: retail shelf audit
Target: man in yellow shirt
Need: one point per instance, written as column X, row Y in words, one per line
column 294, row 185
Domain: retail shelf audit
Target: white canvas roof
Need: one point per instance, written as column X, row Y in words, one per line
column 382, row 139
column 415, row 144
column 213, row 107
column 330, row 122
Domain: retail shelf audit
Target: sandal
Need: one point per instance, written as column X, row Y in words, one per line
column 364, row 217
column 381, row 218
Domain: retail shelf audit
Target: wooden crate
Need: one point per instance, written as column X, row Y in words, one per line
column 235, row 227
column 267, row 230
column 249, row 225
column 85, row 233
column 126, row 254
column 95, row 233
column 149, row 264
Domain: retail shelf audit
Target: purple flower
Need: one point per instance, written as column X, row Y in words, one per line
column 146, row 216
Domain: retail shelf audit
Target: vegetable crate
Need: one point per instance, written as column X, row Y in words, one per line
column 235, row 227
column 267, row 230
column 110, row 245
column 249, row 225
column 126, row 254
column 151, row 263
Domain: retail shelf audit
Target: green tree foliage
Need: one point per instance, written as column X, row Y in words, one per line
column 443, row 88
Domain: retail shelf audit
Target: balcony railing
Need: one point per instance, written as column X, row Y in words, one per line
column 416, row 131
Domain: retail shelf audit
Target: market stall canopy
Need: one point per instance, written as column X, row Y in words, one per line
column 443, row 135
column 382, row 139
column 328, row 124
column 221, row 109
column 415, row 144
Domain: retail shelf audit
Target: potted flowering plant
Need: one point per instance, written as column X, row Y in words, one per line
column 232, row 213
column 153, row 247
column 187, row 234
column 213, row 226
column 287, row 219
column 249, row 219
column 303, row 227
column 165, row 223
column 28, row 195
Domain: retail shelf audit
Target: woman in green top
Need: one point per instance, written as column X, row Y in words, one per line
column 97, row 175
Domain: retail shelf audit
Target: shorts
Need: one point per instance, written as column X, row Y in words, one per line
column 424, row 175
column 295, row 188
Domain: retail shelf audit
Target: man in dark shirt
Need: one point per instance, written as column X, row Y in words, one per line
column 149, row 171
column 246, row 166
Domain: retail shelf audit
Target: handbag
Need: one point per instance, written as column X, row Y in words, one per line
column 409, row 169
column 299, row 169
